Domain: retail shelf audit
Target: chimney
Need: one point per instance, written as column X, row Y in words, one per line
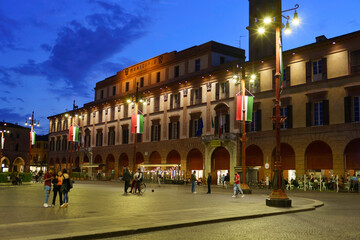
column 321, row 38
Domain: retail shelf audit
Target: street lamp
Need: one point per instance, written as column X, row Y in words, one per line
column 32, row 123
column 237, row 79
column 135, row 101
column 278, row 197
column 72, row 115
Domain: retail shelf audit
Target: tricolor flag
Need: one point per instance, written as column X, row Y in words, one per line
column 73, row 134
column 32, row 138
column 247, row 105
column 281, row 67
column 2, row 143
column 137, row 121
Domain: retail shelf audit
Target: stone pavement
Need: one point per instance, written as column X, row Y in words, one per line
column 101, row 209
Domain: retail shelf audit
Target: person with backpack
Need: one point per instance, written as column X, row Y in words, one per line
column 57, row 182
column 65, row 188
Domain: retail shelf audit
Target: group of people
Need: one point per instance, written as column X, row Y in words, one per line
column 37, row 176
column 237, row 188
column 61, row 185
column 137, row 180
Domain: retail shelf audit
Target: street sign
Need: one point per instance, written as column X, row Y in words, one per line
column 267, row 165
column 215, row 143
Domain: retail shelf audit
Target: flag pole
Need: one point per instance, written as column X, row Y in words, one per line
column 245, row 187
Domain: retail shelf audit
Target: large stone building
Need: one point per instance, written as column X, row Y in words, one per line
column 15, row 155
column 190, row 98
column 320, row 99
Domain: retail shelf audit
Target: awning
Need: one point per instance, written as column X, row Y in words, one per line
column 160, row 165
column 91, row 165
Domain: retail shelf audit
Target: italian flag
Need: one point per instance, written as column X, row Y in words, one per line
column 244, row 104
column 2, row 143
column 73, row 134
column 32, row 138
column 137, row 121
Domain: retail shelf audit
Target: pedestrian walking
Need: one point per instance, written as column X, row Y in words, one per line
column 237, row 187
column 223, row 180
column 159, row 177
column 65, row 188
column 127, row 178
column 227, row 179
column 193, row 182
column 57, row 182
column 47, row 185
column 209, row 183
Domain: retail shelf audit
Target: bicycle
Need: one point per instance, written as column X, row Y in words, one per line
column 142, row 188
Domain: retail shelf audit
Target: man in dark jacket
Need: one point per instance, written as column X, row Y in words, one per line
column 127, row 178
column 209, row 183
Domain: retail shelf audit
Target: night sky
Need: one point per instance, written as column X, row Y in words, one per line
column 54, row 51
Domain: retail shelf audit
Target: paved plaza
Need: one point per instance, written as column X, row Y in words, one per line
column 100, row 209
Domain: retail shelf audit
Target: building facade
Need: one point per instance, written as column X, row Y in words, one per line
column 190, row 98
column 15, row 155
column 39, row 153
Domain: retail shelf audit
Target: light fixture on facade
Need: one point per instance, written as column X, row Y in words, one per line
column 296, row 20
column 287, row 28
column 267, row 20
column 261, row 30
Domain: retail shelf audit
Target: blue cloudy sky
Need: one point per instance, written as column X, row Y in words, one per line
column 54, row 51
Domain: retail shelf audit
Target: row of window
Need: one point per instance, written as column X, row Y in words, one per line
column 317, row 114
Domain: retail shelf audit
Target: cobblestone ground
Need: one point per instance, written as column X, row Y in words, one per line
column 339, row 218
column 21, row 209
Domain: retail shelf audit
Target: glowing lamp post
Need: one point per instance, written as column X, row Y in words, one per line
column 278, row 197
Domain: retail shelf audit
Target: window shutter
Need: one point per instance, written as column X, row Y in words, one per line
column 171, row 101
column 227, row 89
column 274, row 113
column 178, row 100
column 308, row 114
column 347, row 107
column 159, row 133
column 192, row 97
column 170, row 130
column 287, row 84
column 152, row 133
column 227, row 123
column 308, row 72
column 325, row 112
column 178, row 129
column 273, row 79
column 258, row 123
column 324, row 68
column 289, row 117
column 190, row 128
column 200, row 94
column 217, row 91
column 216, row 124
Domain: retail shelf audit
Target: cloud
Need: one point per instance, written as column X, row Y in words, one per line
column 8, row 115
column 82, row 48
column 7, row 28
column 20, row 99
column 6, row 79
column 46, row 47
column 4, row 99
